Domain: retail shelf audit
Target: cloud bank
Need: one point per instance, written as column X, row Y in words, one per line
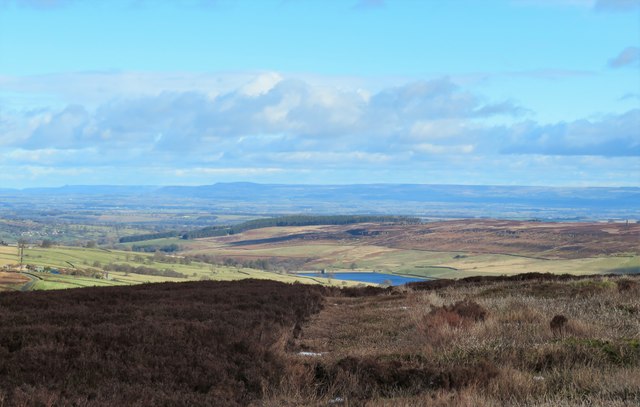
column 273, row 126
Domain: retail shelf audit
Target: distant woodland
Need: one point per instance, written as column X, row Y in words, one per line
column 296, row 220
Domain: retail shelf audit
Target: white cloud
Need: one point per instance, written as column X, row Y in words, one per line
column 626, row 57
column 262, row 84
column 290, row 116
column 438, row 129
column 612, row 136
column 199, row 171
column 444, row 149
column 348, row 158
column 268, row 125
column 48, row 156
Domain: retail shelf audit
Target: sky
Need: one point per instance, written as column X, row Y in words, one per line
column 195, row 92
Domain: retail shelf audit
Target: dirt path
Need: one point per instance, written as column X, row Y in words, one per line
column 357, row 326
column 33, row 280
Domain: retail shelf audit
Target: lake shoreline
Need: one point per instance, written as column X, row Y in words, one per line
column 371, row 277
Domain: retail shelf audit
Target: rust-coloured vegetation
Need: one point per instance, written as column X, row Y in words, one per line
column 178, row 344
column 474, row 342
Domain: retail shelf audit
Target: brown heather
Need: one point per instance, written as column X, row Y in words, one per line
column 470, row 342
column 201, row 343
column 478, row 342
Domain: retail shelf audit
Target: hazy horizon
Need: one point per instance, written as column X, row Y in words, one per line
column 194, row 185
column 196, row 92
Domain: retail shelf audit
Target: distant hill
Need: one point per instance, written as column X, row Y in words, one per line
column 381, row 199
column 410, row 192
column 90, row 190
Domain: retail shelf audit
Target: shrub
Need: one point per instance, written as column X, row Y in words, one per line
column 627, row 285
column 469, row 310
column 459, row 314
column 558, row 324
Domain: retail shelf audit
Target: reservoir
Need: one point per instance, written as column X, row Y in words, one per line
column 367, row 277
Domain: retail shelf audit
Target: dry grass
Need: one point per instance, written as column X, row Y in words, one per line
column 487, row 344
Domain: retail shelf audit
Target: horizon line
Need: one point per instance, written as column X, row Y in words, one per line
column 317, row 185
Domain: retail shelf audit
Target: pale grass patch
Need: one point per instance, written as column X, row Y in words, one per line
column 295, row 389
column 580, row 329
column 469, row 397
column 514, row 385
column 536, row 367
column 610, row 382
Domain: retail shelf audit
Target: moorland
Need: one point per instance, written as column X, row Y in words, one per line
column 532, row 339
column 444, row 249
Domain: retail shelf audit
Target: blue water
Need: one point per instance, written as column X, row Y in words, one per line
column 367, row 277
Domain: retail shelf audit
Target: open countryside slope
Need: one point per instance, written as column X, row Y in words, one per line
column 82, row 267
column 440, row 249
column 469, row 343
column 451, row 249
column 535, row 239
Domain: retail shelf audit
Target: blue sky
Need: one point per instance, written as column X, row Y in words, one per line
column 511, row 92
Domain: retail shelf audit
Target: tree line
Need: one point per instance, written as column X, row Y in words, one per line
column 150, row 271
column 149, row 236
column 292, row 220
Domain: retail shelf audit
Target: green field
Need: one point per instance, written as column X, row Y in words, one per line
column 91, row 260
column 55, row 282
